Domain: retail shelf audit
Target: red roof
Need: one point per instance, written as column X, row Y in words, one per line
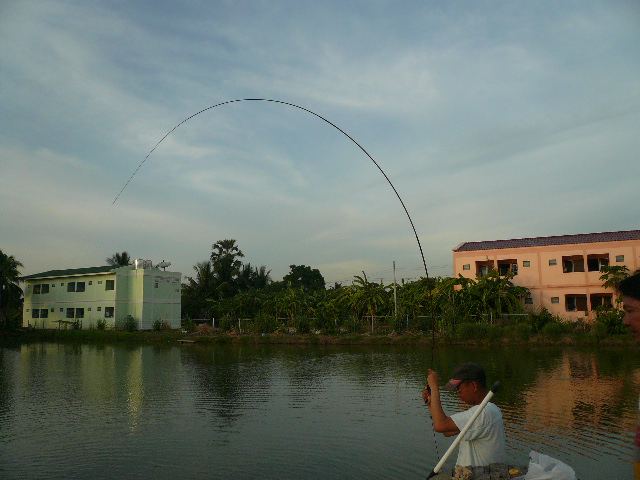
column 544, row 241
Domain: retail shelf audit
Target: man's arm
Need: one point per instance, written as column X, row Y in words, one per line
column 441, row 423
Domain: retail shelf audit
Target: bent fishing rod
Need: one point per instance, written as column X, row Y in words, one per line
column 406, row 211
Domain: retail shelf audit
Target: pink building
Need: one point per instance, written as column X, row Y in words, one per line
column 562, row 272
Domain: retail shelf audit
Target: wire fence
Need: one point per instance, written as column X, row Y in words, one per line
column 383, row 324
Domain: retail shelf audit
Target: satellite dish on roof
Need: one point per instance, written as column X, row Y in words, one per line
column 163, row 264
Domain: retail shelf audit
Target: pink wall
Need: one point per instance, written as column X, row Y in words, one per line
column 547, row 281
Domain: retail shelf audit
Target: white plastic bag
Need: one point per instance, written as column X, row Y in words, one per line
column 543, row 467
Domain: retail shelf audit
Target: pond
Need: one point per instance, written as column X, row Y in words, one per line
column 297, row 412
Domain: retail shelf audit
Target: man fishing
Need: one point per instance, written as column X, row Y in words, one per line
column 629, row 289
column 484, row 442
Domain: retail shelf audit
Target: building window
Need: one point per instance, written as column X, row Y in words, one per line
column 41, row 288
column 89, row 309
column 75, row 287
column 99, row 282
column 555, row 299
column 573, row 263
column 53, row 309
column 466, row 266
column 528, row 301
column 576, row 303
column 35, row 313
column 99, row 309
column 108, row 312
column 596, row 262
column 44, row 313
column 70, row 312
column 483, row 268
column 526, row 263
column 603, row 300
column 109, row 284
column 505, row 267
column 79, row 312
column 619, row 258
column 90, row 282
column 553, row 262
column 61, row 309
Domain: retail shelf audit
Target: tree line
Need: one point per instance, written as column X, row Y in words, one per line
column 226, row 289
column 235, row 293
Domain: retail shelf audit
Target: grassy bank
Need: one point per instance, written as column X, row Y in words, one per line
column 211, row 338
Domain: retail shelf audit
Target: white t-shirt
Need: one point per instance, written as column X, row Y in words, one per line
column 484, row 442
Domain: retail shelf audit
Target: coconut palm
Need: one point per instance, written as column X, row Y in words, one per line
column 119, row 259
column 198, row 291
column 9, row 278
column 226, row 266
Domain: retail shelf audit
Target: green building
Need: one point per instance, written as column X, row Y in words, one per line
column 87, row 297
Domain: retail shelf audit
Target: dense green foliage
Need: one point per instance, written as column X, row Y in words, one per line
column 244, row 298
column 10, row 292
column 119, row 259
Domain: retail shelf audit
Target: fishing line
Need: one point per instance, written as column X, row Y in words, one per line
column 406, row 211
column 424, row 263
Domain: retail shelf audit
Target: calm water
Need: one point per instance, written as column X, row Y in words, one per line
column 292, row 412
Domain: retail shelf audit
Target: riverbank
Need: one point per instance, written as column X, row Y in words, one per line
column 210, row 338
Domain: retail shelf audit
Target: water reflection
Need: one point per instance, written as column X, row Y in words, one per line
column 296, row 412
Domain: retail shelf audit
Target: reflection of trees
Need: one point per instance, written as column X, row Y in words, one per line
column 7, row 359
column 229, row 379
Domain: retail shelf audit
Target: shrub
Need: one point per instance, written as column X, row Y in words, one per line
column 522, row 331
column 303, row 325
column 161, row 326
column 188, row 324
column 541, row 318
column 326, row 324
column 553, row 330
column 609, row 321
column 128, row 324
column 265, row 323
column 228, row 324
column 354, row 325
column 101, row 324
column 470, row 331
column 479, row 331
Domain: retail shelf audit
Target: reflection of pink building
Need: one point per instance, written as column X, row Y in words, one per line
column 562, row 272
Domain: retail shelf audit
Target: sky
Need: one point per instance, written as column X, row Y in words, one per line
column 491, row 119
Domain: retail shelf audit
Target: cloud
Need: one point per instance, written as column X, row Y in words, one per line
column 492, row 121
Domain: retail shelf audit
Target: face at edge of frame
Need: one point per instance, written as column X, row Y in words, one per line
column 632, row 316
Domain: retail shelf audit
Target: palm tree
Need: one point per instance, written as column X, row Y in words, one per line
column 119, row 259
column 253, row 277
column 226, row 266
column 366, row 297
column 197, row 293
column 9, row 278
